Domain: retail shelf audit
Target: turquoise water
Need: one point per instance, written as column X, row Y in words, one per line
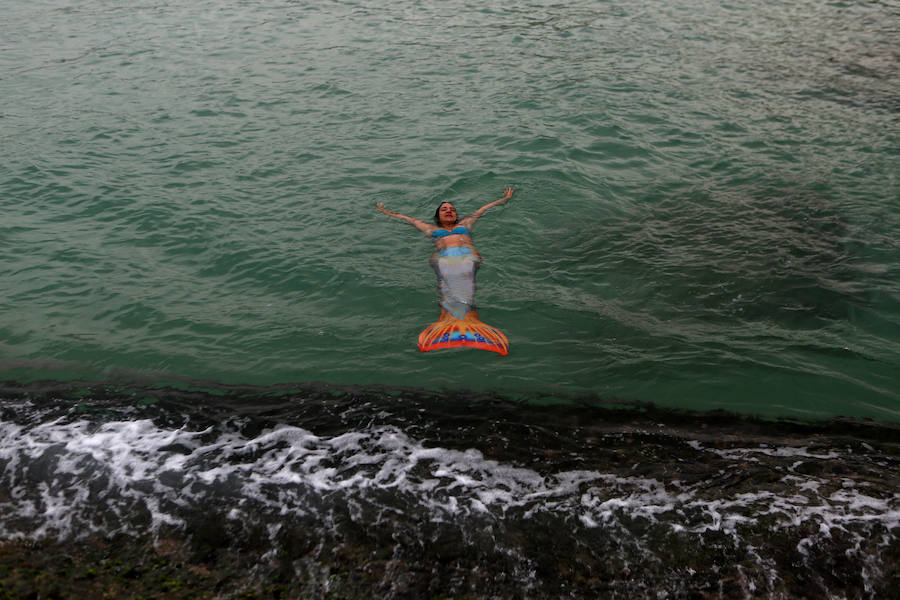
column 706, row 212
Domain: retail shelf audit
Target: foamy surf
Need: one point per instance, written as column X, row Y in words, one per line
column 618, row 505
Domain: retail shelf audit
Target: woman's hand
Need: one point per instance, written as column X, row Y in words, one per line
column 470, row 220
column 420, row 225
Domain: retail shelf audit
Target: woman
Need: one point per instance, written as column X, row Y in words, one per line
column 455, row 261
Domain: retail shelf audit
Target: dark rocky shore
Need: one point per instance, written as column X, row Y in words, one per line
column 406, row 553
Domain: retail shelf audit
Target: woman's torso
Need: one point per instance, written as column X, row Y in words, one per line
column 453, row 237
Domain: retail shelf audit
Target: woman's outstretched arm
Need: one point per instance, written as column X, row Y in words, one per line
column 420, row 225
column 470, row 220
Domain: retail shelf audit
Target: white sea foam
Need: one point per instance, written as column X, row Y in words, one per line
column 59, row 473
column 747, row 453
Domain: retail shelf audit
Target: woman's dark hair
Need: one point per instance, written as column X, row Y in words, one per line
column 437, row 214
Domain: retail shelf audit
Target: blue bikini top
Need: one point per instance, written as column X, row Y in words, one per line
column 458, row 230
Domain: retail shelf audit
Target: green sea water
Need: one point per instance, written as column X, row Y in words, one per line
column 706, row 208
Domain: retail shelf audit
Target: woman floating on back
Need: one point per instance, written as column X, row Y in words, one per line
column 455, row 262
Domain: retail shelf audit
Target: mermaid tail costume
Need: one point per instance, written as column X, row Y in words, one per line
column 459, row 325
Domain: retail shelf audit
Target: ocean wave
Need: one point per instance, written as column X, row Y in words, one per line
column 622, row 489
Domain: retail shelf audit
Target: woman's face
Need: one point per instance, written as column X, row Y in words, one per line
column 447, row 214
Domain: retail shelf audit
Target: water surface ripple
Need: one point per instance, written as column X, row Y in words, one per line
column 706, row 208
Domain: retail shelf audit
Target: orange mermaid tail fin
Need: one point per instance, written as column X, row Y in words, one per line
column 468, row 332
